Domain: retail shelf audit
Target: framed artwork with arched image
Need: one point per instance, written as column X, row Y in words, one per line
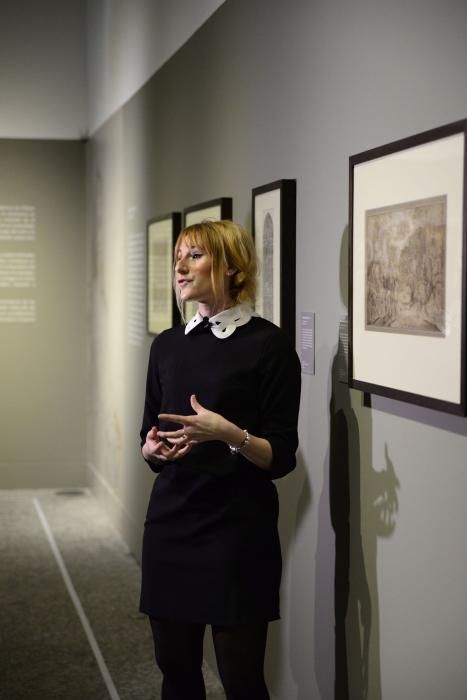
column 274, row 217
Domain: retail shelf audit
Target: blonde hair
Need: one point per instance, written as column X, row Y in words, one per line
column 230, row 247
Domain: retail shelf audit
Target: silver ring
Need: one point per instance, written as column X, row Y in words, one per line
column 185, row 436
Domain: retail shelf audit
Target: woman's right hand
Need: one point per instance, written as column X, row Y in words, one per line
column 155, row 450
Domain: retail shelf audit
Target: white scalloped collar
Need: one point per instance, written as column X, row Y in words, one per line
column 226, row 322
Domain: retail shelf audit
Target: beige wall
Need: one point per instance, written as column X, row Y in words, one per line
column 42, row 363
column 116, row 376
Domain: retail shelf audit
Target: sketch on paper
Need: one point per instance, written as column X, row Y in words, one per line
column 268, row 267
column 159, row 277
column 405, row 248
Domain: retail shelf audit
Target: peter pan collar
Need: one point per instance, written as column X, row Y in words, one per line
column 224, row 323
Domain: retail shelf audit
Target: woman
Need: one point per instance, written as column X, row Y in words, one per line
column 220, row 422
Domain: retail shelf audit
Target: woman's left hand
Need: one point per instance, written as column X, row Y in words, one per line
column 204, row 425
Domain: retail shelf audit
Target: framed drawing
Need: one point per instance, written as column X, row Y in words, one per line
column 214, row 210
column 407, row 268
column 162, row 311
column 274, row 210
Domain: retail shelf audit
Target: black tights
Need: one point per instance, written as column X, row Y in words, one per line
column 239, row 653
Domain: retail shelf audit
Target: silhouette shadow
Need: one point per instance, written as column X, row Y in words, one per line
column 352, row 600
column 295, row 500
column 363, row 504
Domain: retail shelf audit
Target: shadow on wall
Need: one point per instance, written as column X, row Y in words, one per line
column 363, row 503
column 295, row 500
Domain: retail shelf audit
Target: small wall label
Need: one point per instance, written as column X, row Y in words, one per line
column 307, row 340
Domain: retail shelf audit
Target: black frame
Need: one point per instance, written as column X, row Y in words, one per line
column 225, row 204
column 176, row 223
column 460, row 408
column 287, row 237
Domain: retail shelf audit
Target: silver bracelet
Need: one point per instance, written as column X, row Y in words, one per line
column 235, row 450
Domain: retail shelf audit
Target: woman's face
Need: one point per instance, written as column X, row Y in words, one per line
column 193, row 274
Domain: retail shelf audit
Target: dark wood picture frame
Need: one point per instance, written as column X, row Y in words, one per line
column 407, row 269
column 274, row 215
column 166, row 229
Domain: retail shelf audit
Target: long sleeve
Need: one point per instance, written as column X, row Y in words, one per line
column 279, row 397
column 251, row 378
column 152, row 401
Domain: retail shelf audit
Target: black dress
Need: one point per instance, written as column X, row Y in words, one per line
column 211, row 551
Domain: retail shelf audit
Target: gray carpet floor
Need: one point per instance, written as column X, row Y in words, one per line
column 46, row 650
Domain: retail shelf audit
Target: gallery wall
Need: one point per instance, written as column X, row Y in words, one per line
column 375, row 507
column 67, row 67
column 43, row 74
column 45, row 78
column 128, row 42
column 42, row 314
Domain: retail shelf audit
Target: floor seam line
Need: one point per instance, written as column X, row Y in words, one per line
column 107, row 678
